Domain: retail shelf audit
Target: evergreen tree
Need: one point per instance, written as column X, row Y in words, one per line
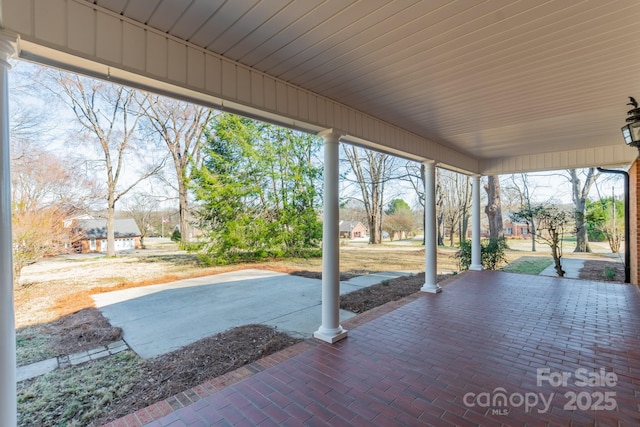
column 257, row 191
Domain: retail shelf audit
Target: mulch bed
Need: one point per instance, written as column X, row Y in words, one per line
column 603, row 271
column 180, row 370
column 390, row 290
column 83, row 330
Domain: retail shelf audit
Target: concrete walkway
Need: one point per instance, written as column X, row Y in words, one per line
column 40, row 368
column 158, row 319
column 571, row 267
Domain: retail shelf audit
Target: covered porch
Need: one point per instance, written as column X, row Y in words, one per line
column 484, row 89
column 495, row 348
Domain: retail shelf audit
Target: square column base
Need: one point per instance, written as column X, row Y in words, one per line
column 432, row 289
column 330, row 337
column 475, row 267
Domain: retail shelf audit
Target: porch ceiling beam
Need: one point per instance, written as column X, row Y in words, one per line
column 618, row 155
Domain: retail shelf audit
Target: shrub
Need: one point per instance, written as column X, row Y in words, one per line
column 492, row 253
column 176, row 236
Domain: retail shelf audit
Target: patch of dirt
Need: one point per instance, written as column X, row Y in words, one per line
column 175, row 372
column 80, row 331
column 603, row 271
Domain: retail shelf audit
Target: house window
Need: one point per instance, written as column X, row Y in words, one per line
column 92, row 244
column 508, row 231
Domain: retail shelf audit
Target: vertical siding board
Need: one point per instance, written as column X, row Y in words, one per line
column 244, row 85
column 109, row 42
column 19, row 14
column 229, row 80
column 564, row 158
column 270, row 93
column 303, row 105
column 195, row 68
column 213, row 75
column 292, row 101
column 156, row 54
column 313, row 109
column 51, row 21
column 133, row 47
column 368, row 128
column 281, row 97
column 330, row 115
column 81, row 33
column 177, row 62
column 257, row 90
column 322, row 113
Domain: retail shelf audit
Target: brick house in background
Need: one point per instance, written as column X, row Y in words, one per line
column 352, row 229
column 517, row 230
column 91, row 235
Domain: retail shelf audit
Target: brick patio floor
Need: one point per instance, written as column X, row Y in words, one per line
column 446, row 360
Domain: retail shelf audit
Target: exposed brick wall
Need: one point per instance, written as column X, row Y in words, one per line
column 634, row 214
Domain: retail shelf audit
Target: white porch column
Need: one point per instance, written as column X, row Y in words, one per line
column 476, row 250
column 330, row 329
column 430, row 230
column 8, row 400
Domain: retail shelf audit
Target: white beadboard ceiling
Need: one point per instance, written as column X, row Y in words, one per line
column 492, row 79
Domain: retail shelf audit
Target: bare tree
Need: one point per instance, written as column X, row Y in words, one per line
column 372, row 170
column 440, row 197
column 142, row 208
column 181, row 126
column 456, row 203
column 552, row 223
column 579, row 194
column 44, row 193
column 494, row 207
column 521, row 184
column 107, row 117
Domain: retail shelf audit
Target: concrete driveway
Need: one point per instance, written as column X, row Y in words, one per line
column 158, row 319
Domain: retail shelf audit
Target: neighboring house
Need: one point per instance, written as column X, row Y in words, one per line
column 519, row 230
column 352, row 229
column 91, row 235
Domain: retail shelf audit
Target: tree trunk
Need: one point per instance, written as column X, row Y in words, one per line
column 555, row 251
column 371, row 172
column 439, row 206
column 579, row 194
column 494, row 207
column 582, row 238
column 183, row 203
column 533, row 236
column 111, row 239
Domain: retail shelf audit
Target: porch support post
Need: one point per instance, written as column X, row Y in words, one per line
column 330, row 329
column 8, row 400
column 476, row 249
column 430, row 229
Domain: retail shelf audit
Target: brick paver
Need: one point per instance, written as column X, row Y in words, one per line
column 492, row 349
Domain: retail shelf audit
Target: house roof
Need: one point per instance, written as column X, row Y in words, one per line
column 97, row 228
column 349, row 225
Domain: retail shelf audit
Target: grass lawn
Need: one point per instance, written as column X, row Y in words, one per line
column 528, row 264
